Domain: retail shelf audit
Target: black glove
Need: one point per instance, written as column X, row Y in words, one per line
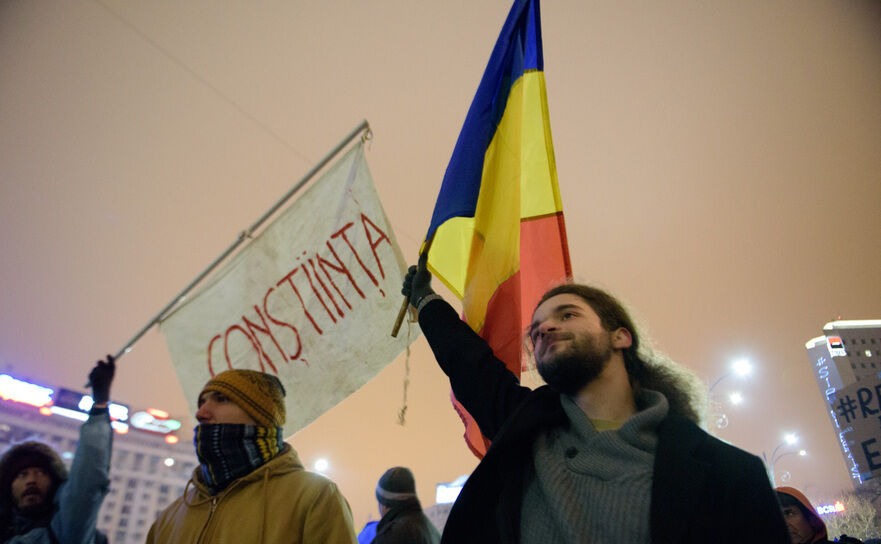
column 100, row 379
column 417, row 282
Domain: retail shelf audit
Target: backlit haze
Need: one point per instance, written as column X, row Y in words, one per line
column 719, row 164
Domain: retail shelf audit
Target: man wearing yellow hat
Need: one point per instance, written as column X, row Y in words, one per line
column 250, row 485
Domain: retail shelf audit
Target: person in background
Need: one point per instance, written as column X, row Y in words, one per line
column 41, row 502
column 610, row 450
column 250, row 485
column 368, row 533
column 403, row 521
column 804, row 524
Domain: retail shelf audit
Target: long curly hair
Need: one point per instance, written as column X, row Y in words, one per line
column 646, row 368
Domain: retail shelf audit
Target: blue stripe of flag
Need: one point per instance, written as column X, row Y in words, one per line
column 517, row 49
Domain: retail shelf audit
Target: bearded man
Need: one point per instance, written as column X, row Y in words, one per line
column 41, row 502
column 608, row 451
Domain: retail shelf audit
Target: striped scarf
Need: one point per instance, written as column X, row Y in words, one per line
column 228, row 451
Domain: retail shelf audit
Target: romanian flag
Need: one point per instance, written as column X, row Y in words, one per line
column 497, row 237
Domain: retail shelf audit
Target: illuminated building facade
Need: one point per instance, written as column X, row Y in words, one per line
column 149, row 467
column 445, row 495
column 847, row 365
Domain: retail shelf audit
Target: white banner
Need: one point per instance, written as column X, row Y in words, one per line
column 312, row 299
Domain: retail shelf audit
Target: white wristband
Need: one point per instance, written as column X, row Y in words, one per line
column 425, row 300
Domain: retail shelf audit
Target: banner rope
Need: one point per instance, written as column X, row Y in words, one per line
column 402, row 414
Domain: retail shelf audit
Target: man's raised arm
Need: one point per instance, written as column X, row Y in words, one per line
column 88, row 481
column 480, row 381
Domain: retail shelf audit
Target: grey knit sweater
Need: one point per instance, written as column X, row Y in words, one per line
column 593, row 487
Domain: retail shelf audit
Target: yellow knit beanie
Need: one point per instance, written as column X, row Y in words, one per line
column 259, row 394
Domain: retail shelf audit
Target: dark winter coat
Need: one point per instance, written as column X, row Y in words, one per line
column 406, row 524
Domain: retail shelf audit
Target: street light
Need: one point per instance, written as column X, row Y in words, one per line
column 321, row 465
column 740, row 368
column 771, row 461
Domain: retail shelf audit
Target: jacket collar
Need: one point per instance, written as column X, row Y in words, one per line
column 286, row 461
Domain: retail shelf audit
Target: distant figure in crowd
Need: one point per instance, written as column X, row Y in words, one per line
column 368, row 533
column 41, row 502
column 608, row 451
column 805, row 526
column 403, row 521
column 250, row 485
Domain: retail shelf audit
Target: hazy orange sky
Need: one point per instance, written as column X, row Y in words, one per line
column 719, row 164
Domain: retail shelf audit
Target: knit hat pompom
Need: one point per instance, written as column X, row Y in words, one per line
column 260, row 395
column 395, row 486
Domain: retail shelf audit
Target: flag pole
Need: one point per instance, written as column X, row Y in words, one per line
column 245, row 235
column 400, row 319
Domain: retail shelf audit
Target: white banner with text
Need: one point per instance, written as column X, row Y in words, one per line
column 312, row 299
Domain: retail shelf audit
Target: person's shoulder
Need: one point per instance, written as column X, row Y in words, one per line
column 702, row 443
column 291, row 472
column 297, row 493
column 35, row 535
column 311, row 479
column 844, row 539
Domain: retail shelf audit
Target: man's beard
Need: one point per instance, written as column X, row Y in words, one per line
column 580, row 363
column 37, row 509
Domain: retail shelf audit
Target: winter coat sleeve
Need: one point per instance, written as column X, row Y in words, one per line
column 88, row 481
column 480, row 381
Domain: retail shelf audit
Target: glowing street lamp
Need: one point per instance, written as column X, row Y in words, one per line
column 789, row 439
column 740, row 368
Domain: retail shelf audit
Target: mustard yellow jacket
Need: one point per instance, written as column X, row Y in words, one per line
column 280, row 502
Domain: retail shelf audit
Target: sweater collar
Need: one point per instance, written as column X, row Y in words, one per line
column 639, row 431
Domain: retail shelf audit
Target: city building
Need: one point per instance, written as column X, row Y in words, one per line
column 445, row 495
column 847, row 365
column 150, row 465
